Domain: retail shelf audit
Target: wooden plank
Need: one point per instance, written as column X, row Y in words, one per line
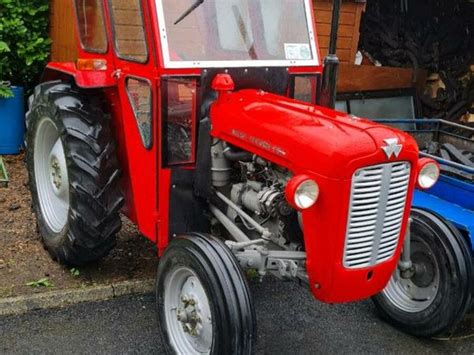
column 356, row 34
column 342, row 42
column 324, row 29
column 325, row 16
column 344, row 55
column 62, row 31
column 347, row 5
column 354, row 78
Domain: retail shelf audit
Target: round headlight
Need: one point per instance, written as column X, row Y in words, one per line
column 306, row 194
column 428, row 175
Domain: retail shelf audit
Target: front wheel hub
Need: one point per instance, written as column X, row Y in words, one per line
column 188, row 312
column 189, row 316
column 417, row 292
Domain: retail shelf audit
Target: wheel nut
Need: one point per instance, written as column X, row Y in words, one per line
column 182, row 316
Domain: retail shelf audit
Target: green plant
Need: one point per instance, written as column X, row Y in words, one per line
column 41, row 283
column 252, row 275
column 75, row 272
column 24, row 42
column 5, row 91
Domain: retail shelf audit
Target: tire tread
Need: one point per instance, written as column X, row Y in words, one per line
column 93, row 171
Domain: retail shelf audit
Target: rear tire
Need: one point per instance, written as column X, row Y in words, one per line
column 436, row 298
column 73, row 174
column 203, row 300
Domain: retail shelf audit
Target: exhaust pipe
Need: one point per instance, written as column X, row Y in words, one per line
column 331, row 62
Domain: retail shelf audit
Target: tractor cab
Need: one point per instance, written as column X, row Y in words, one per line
column 162, row 57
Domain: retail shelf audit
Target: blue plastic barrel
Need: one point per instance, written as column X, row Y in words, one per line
column 12, row 122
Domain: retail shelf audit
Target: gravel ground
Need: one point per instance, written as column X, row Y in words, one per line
column 289, row 322
column 23, row 259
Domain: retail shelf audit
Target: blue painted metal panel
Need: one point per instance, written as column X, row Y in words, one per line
column 461, row 217
column 455, row 191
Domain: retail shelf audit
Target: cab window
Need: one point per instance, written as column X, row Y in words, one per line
column 140, row 97
column 90, row 19
column 129, row 30
column 304, row 88
column 179, row 109
column 236, row 31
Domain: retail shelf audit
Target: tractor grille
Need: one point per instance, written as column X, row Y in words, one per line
column 378, row 198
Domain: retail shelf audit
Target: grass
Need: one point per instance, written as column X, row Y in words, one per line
column 41, row 283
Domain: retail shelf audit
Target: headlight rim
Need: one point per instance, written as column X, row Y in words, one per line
column 423, row 164
column 292, row 188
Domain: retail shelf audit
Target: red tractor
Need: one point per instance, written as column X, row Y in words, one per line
column 203, row 123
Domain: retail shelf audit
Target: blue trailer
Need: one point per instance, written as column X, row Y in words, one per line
column 433, row 287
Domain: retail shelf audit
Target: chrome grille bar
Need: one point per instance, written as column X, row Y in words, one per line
column 378, row 199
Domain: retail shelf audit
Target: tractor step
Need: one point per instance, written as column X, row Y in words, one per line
column 3, row 174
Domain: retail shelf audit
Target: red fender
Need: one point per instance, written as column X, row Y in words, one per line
column 84, row 79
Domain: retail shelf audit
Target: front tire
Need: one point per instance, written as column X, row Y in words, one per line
column 203, row 300
column 73, row 174
column 437, row 296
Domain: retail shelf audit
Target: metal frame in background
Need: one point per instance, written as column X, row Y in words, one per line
column 3, row 174
column 437, row 130
column 381, row 94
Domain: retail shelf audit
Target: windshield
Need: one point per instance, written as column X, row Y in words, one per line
column 235, row 33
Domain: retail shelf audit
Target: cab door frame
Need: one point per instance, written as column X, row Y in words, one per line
column 140, row 162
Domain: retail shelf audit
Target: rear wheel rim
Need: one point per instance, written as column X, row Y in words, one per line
column 417, row 293
column 51, row 175
column 187, row 312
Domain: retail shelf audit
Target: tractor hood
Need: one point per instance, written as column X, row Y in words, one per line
column 304, row 137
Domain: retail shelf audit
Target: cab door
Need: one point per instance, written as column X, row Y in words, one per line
column 137, row 90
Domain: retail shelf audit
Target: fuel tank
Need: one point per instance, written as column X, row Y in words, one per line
column 332, row 148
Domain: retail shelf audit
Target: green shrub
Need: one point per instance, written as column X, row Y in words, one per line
column 5, row 92
column 24, row 42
